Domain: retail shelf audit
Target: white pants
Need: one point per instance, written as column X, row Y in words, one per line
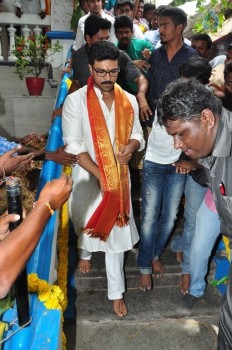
column 114, row 271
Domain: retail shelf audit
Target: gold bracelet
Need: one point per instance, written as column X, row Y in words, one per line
column 52, row 211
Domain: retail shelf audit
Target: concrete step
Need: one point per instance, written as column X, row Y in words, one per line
column 96, row 279
column 155, row 320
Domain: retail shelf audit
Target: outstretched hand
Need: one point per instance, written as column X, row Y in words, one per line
column 11, row 163
column 56, row 192
column 61, row 157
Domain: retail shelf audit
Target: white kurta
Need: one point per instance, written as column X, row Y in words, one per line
column 86, row 194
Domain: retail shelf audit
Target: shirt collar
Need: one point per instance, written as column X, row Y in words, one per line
column 183, row 47
column 222, row 146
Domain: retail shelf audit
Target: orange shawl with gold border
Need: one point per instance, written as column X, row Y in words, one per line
column 115, row 205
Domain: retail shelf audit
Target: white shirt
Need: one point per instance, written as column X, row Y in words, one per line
column 137, row 32
column 160, row 146
column 217, row 60
column 86, row 195
column 80, row 41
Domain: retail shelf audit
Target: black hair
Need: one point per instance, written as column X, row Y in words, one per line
column 203, row 37
column 161, row 8
column 148, row 7
column 177, row 15
column 123, row 21
column 228, row 69
column 229, row 47
column 196, row 67
column 94, row 23
column 81, row 2
column 121, row 3
column 103, row 50
column 185, row 99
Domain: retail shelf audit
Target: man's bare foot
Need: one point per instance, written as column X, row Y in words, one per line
column 119, row 307
column 84, row 265
column 145, row 282
column 158, row 267
column 179, row 257
column 185, row 283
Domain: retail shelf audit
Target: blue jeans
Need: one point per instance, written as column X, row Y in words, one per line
column 194, row 195
column 162, row 189
column 207, row 231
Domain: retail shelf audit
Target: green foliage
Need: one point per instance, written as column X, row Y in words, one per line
column 212, row 14
column 32, row 54
column 76, row 15
column 7, row 302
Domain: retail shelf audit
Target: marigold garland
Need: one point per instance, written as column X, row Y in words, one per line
column 55, row 296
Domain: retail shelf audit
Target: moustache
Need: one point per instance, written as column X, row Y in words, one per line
column 107, row 83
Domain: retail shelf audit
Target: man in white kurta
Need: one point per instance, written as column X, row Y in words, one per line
column 86, row 195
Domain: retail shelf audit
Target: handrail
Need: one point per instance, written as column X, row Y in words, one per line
column 26, row 19
column 39, row 334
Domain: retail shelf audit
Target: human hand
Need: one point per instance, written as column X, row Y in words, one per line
column 56, row 192
column 146, row 53
column 11, row 163
column 56, row 113
column 42, row 14
column 5, row 219
column 18, row 12
column 184, row 166
column 142, row 65
column 29, row 138
column 125, row 153
column 144, row 110
column 61, row 157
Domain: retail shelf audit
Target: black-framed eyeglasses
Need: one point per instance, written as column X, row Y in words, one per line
column 102, row 72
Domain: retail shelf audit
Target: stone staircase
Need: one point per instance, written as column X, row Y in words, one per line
column 156, row 319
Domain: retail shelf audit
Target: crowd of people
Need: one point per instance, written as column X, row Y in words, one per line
column 134, row 74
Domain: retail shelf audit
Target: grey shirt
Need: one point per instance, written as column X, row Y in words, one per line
column 218, row 168
column 128, row 70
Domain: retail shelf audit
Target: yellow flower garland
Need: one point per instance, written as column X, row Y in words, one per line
column 55, row 296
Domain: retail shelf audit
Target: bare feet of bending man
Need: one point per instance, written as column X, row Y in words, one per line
column 84, row 265
column 185, row 283
column 158, row 268
column 119, row 307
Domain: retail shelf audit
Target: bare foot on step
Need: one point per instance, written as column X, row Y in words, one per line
column 84, row 265
column 145, row 282
column 119, row 307
column 185, row 283
column 158, row 268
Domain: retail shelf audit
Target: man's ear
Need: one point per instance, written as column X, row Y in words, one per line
column 90, row 69
column 208, row 118
column 180, row 28
column 88, row 39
